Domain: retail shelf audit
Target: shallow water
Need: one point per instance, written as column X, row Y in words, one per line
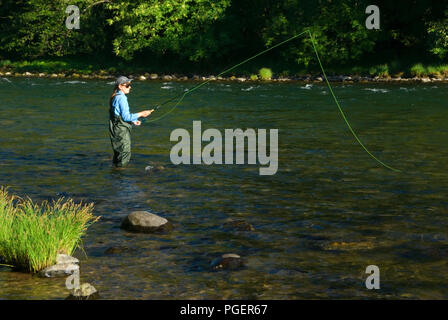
column 328, row 213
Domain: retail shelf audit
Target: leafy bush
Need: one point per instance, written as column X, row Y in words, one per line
column 265, row 74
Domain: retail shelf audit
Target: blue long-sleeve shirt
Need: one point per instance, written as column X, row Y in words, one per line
column 121, row 107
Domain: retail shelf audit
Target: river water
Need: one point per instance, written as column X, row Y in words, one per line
column 328, row 212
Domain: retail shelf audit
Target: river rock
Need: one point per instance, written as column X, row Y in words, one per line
column 240, row 225
column 85, row 292
column 63, row 258
column 153, row 76
column 142, row 78
column 149, row 169
column 118, row 250
column 228, row 261
column 145, row 222
column 59, row 270
column 167, row 77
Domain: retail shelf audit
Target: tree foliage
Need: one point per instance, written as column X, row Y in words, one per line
column 208, row 31
column 162, row 26
column 438, row 40
column 36, row 28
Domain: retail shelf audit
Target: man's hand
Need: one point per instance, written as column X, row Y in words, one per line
column 145, row 113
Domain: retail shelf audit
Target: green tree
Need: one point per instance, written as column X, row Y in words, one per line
column 175, row 26
column 36, row 28
column 438, row 37
column 338, row 27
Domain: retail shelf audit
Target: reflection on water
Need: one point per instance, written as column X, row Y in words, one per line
column 329, row 212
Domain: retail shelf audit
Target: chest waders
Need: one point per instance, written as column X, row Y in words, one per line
column 120, row 138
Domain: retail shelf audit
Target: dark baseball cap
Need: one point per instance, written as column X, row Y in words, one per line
column 121, row 80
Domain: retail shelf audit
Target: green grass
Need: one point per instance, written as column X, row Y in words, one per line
column 384, row 68
column 32, row 235
column 418, row 70
column 253, row 77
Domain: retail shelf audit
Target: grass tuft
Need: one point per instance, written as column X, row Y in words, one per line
column 265, row 74
column 418, row 70
column 32, row 235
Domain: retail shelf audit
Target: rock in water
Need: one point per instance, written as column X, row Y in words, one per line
column 150, row 169
column 145, row 222
column 63, row 258
column 240, row 225
column 59, row 270
column 85, row 292
column 229, row 261
column 118, row 250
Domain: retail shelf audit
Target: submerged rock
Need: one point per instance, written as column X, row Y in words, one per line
column 59, row 270
column 228, row 261
column 118, row 250
column 149, row 169
column 85, row 292
column 239, row 225
column 145, row 222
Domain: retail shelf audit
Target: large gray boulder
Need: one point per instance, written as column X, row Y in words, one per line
column 145, row 222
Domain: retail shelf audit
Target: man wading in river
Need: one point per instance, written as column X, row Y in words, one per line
column 121, row 121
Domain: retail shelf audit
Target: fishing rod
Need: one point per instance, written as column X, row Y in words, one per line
column 313, row 42
column 220, row 74
column 158, row 106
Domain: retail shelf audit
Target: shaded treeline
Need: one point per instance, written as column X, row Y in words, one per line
column 210, row 34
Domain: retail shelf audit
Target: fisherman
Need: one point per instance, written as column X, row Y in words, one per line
column 121, row 121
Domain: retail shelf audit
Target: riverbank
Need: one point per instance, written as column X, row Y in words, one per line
column 240, row 78
column 92, row 69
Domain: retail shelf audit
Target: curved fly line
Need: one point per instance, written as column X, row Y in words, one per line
column 313, row 41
